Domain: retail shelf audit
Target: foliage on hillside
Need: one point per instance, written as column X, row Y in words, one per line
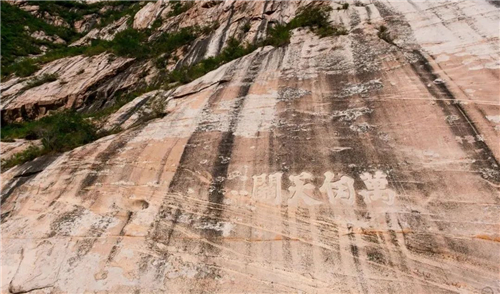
column 313, row 17
column 16, row 40
column 17, row 26
column 60, row 132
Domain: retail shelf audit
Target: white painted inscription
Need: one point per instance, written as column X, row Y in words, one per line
column 302, row 190
column 267, row 188
column 377, row 188
column 342, row 189
column 337, row 188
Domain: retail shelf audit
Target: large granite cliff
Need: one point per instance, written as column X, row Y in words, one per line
column 364, row 162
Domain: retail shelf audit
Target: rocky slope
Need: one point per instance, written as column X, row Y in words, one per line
column 360, row 163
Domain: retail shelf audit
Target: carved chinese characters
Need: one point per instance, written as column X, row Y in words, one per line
column 337, row 189
column 267, row 188
column 302, row 190
column 377, row 188
column 342, row 189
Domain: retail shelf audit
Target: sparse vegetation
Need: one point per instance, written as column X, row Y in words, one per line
column 158, row 108
column 40, row 80
column 233, row 50
column 246, row 27
column 128, row 43
column 209, row 28
column 29, row 154
column 17, row 42
column 72, row 11
column 59, row 132
column 375, row 256
column 179, row 7
column 28, row 66
column 119, row 9
column 16, row 27
column 344, row 6
column 278, row 35
column 121, row 99
column 314, row 17
column 383, row 33
column 133, row 43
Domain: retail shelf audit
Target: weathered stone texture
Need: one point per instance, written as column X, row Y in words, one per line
column 333, row 165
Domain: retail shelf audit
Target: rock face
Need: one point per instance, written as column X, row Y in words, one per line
column 148, row 14
column 81, row 81
column 40, row 35
column 34, row 10
column 106, row 33
column 331, row 165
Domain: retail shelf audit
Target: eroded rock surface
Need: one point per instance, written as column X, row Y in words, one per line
column 106, row 33
column 79, row 79
column 334, row 165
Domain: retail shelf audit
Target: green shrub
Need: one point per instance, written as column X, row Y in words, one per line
column 311, row 16
column 246, row 27
column 169, row 42
column 127, row 43
column 17, row 42
column 29, row 154
column 65, row 132
column 130, row 43
column 62, row 131
column 157, row 23
column 278, row 35
column 96, row 47
column 28, row 66
column 23, row 68
column 179, row 7
column 119, row 10
column 233, row 50
column 40, row 80
column 345, row 6
column 314, row 17
column 209, row 28
column 158, row 108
